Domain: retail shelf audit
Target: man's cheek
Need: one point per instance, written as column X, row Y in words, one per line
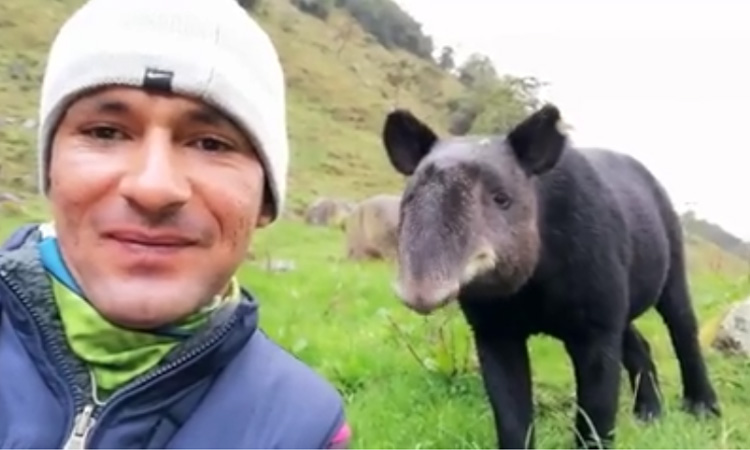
column 238, row 211
column 68, row 211
column 238, row 235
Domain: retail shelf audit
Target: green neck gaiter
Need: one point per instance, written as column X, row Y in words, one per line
column 114, row 355
column 117, row 355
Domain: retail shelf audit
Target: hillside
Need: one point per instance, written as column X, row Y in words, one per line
column 716, row 234
column 337, row 96
column 341, row 79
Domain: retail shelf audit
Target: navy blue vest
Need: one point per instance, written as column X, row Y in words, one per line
column 245, row 393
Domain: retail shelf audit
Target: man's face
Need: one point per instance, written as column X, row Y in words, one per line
column 155, row 200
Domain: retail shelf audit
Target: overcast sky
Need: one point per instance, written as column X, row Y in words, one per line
column 666, row 81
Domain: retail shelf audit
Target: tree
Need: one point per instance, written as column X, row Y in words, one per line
column 501, row 108
column 527, row 88
column 317, row 8
column 391, row 26
column 491, row 103
column 478, row 69
column 446, row 60
column 251, row 5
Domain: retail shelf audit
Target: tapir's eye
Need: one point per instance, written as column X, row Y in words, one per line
column 502, row 200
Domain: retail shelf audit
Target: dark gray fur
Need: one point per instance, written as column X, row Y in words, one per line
column 585, row 241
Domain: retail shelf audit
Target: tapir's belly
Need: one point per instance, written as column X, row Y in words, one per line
column 649, row 245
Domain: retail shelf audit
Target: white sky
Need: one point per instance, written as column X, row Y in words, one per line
column 666, row 81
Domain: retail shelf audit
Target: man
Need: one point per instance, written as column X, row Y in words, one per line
column 162, row 148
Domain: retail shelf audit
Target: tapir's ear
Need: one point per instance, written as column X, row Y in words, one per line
column 538, row 141
column 407, row 140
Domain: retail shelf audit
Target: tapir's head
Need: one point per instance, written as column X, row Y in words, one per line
column 469, row 210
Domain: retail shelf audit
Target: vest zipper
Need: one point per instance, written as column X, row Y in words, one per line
column 45, row 336
column 85, row 420
column 83, row 423
column 141, row 382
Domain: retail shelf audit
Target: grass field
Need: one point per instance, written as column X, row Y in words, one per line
column 343, row 319
column 409, row 382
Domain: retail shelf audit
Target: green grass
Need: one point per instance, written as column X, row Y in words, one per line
column 411, row 382
column 343, row 319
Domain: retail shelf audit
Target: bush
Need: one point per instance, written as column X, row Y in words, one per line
column 317, row 8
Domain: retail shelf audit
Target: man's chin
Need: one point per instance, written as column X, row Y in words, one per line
column 144, row 304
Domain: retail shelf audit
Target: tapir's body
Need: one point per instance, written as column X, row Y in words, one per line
column 532, row 235
column 606, row 227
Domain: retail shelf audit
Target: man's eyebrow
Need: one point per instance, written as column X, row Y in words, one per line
column 111, row 106
column 207, row 116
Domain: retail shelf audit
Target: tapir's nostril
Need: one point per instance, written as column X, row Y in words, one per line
column 426, row 297
column 483, row 255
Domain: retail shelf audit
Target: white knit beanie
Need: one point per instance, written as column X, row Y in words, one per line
column 209, row 49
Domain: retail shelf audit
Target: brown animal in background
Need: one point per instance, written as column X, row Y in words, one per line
column 372, row 228
column 328, row 212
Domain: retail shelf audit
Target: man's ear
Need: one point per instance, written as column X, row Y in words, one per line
column 407, row 140
column 263, row 219
column 266, row 209
column 538, row 141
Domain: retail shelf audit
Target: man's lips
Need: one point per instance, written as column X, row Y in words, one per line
column 150, row 238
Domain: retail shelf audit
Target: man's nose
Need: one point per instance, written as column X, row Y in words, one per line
column 156, row 182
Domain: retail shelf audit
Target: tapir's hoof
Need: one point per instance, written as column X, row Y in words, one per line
column 701, row 408
column 647, row 413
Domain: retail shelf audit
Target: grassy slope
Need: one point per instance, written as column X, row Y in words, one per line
column 336, row 106
column 341, row 317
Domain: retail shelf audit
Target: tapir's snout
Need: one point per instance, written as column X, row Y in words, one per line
column 426, row 294
column 425, row 297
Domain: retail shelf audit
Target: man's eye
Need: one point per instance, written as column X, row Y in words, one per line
column 104, row 133
column 212, row 145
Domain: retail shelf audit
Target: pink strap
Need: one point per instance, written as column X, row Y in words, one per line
column 342, row 437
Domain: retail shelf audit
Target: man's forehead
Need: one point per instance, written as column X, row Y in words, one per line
column 124, row 100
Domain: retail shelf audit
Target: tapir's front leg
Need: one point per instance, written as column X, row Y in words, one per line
column 596, row 360
column 507, row 379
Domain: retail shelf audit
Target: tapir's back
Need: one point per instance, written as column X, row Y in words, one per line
column 652, row 227
column 640, row 197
